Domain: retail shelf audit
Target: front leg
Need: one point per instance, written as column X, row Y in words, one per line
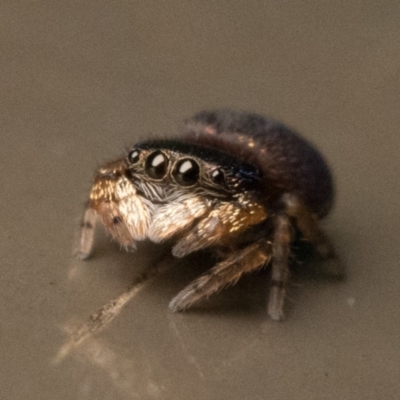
column 227, row 272
column 173, row 218
column 114, row 223
column 228, row 220
column 86, row 236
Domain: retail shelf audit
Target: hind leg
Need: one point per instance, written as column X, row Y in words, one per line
column 280, row 269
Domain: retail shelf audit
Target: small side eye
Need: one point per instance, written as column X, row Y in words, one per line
column 186, row 172
column 218, row 177
column 133, row 156
column 156, row 165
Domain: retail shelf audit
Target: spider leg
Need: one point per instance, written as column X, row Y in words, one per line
column 113, row 222
column 174, row 217
column 206, row 233
column 307, row 223
column 280, row 270
column 224, row 273
column 86, row 238
column 225, row 221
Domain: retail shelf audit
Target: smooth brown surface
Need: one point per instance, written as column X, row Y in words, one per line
column 81, row 80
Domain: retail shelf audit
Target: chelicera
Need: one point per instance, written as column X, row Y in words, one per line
column 235, row 182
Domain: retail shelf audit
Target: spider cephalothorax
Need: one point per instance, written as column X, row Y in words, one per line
column 231, row 180
column 173, row 166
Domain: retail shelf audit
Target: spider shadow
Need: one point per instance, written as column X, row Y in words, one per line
column 307, row 265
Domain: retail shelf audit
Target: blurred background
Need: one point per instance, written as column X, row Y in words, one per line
column 80, row 81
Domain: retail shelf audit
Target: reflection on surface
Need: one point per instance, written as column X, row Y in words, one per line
column 157, row 352
column 102, row 318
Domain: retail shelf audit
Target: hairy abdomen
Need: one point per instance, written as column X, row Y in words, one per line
column 288, row 162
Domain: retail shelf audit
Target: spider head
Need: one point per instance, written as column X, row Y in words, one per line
column 165, row 189
column 164, row 170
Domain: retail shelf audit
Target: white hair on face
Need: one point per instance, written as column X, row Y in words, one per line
column 157, row 222
column 135, row 210
column 173, row 217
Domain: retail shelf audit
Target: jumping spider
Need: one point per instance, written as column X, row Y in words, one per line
column 234, row 181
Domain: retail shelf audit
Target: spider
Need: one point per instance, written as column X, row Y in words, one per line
column 237, row 182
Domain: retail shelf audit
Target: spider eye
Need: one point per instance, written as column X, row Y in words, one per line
column 156, row 165
column 186, row 172
column 218, row 177
column 133, row 156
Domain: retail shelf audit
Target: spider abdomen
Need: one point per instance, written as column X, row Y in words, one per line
column 288, row 162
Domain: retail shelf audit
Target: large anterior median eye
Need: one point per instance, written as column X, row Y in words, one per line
column 186, row 172
column 156, row 165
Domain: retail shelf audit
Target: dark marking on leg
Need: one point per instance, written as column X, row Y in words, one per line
column 116, row 220
column 87, row 225
column 278, row 284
